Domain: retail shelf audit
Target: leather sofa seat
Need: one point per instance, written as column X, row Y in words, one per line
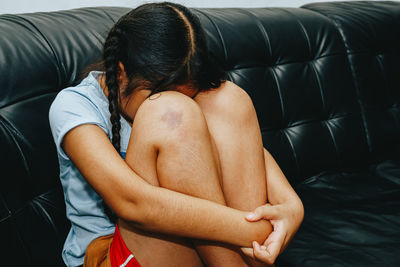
column 351, row 219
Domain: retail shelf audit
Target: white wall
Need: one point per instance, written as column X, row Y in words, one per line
column 25, row 6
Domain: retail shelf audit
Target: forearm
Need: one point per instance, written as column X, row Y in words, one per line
column 278, row 188
column 285, row 210
column 282, row 195
column 151, row 207
column 174, row 213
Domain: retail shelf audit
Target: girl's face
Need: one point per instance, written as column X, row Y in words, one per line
column 130, row 104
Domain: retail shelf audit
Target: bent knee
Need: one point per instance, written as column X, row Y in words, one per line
column 169, row 113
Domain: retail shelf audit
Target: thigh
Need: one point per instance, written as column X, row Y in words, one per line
column 152, row 249
column 233, row 124
column 242, row 169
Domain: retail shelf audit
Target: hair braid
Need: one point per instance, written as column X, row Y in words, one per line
column 111, row 57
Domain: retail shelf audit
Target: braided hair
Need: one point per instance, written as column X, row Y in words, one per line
column 111, row 59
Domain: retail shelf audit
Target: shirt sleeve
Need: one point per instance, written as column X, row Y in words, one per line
column 69, row 110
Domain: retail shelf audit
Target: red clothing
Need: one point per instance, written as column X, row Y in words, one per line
column 120, row 256
column 109, row 251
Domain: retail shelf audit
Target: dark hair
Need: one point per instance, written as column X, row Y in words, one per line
column 161, row 45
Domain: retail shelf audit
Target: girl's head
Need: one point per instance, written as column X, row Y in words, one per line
column 156, row 47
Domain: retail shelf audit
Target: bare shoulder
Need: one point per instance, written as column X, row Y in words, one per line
column 227, row 99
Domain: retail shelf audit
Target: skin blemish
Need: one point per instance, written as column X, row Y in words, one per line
column 172, row 119
column 155, row 96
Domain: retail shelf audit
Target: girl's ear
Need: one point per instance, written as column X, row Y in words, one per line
column 122, row 77
column 121, row 67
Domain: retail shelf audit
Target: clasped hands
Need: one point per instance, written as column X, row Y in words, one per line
column 285, row 219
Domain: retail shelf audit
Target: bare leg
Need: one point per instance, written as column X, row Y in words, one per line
column 153, row 249
column 233, row 124
column 188, row 162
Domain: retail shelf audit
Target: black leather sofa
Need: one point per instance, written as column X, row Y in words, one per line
column 325, row 81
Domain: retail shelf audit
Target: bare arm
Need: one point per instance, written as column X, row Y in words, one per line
column 149, row 207
column 281, row 193
column 285, row 214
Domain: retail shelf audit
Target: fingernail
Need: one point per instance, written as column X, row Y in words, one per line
column 263, row 247
column 250, row 216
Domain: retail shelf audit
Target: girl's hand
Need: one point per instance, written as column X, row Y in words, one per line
column 285, row 219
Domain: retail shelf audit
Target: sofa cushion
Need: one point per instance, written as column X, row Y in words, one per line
column 351, row 219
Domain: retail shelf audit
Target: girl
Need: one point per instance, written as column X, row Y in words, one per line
column 185, row 161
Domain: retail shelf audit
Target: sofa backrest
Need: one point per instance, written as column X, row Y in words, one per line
column 294, row 65
column 371, row 34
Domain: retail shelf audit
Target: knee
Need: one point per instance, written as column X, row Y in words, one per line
column 170, row 115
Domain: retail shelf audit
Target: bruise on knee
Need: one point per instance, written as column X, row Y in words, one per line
column 172, row 119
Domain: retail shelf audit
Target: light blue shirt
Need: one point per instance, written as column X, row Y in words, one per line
column 74, row 106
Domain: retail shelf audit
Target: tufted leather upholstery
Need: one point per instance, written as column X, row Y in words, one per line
column 325, row 82
column 289, row 61
column 372, row 40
